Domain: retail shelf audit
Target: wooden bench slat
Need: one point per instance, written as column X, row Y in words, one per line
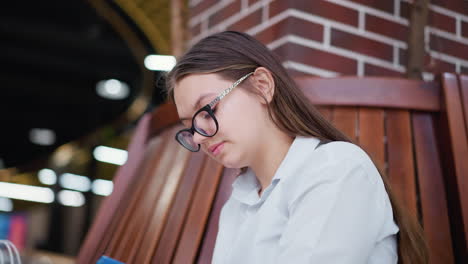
column 124, row 217
column 145, row 201
column 101, row 231
column 209, row 239
column 198, row 214
column 326, row 112
column 127, row 228
column 158, row 220
column 464, row 96
column 458, row 175
column 372, row 134
column 400, row 158
column 171, row 233
column 345, row 119
column 372, row 92
column 432, row 191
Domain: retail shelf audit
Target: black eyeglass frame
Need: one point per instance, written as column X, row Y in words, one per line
column 208, row 108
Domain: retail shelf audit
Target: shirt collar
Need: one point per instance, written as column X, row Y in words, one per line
column 246, row 185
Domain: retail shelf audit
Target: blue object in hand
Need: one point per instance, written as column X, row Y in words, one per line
column 107, row 260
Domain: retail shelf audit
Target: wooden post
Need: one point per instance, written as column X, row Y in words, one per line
column 416, row 41
column 178, row 28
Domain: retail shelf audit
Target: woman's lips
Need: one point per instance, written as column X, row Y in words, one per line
column 216, row 149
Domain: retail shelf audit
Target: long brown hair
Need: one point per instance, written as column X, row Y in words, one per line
column 233, row 54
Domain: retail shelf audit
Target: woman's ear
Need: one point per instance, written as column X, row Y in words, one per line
column 264, row 82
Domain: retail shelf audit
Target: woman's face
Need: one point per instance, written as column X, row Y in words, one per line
column 241, row 117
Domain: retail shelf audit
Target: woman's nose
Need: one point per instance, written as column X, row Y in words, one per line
column 199, row 139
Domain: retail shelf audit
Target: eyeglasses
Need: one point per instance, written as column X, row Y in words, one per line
column 204, row 121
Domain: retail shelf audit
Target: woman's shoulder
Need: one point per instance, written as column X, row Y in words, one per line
column 330, row 162
column 342, row 150
column 328, row 166
column 333, row 152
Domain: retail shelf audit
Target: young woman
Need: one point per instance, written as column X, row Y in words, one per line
column 305, row 194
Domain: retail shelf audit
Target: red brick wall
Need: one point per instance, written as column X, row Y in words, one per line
column 341, row 37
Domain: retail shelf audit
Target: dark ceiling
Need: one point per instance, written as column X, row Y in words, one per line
column 52, row 55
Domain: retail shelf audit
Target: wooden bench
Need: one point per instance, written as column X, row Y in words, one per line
column 166, row 200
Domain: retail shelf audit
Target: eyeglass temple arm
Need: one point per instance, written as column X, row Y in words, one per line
column 225, row 92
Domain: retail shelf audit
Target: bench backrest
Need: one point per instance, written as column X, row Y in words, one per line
column 166, row 201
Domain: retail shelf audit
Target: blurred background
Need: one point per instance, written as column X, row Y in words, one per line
column 74, row 84
column 77, row 75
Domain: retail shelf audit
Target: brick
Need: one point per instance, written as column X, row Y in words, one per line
column 435, row 65
column 294, row 26
column 403, row 56
column 386, row 5
column 202, row 6
column 405, row 10
column 405, row 7
column 278, row 6
column 442, row 22
column 449, row 47
column 464, row 29
column 386, row 27
column 464, row 70
column 295, row 73
column 195, row 30
column 319, row 7
column 251, row 2
column 224, row 13
column 317, row 58
column 361, row 45
column 247, row 22
column 430, row 64
column 373, row 70
column 459, row 6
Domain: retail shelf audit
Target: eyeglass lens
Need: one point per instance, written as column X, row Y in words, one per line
column 186, row 139
column 204, row 124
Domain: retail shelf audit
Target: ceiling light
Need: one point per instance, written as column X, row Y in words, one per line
column 112, row 89
column 26, row 192
column 160, row 62
column 6, row 204
column 102, row 187
column 75, row 182
column 42, row 136
column 47, row 176
column 110, row 155
column 71, row 198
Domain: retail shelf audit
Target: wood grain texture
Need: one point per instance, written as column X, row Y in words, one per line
column 464, row 97
column 125, row 217
column 145, row 201
column 106, row 221
column 158, row 219
column 459, row 149
column 209, row 239
column 346, row 120
column 372, row 135
column 434, row 209
column 199, row 211
column 326, row 112
column 178, row 215
column 372, row 92
column 401, row 171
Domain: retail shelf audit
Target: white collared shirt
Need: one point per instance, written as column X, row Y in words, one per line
column 324, row 205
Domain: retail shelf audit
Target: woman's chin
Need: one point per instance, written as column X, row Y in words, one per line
column 231, row 164
column 229, row 161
